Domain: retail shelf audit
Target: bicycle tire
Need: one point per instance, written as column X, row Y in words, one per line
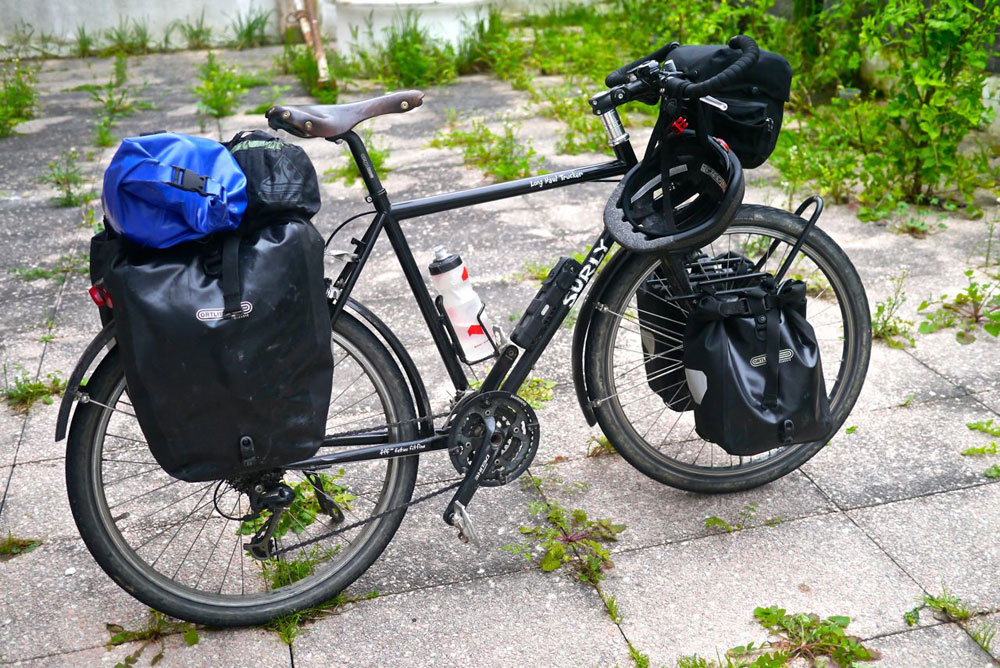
column 651, row 461
column 100, row 532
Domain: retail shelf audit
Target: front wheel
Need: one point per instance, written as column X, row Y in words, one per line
column 181, row 547
column 657, row 436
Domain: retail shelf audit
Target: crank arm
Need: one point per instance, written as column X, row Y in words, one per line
column 480, row 463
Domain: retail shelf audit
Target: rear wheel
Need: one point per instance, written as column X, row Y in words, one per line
column 180, row 547
column 660, row 441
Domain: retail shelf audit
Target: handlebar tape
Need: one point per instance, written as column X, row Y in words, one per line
column 751, row 53
column 620, row 75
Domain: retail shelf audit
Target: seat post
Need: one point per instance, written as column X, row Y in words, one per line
column 368, row 175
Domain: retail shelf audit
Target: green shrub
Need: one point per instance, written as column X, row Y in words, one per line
column 222, row 87
column 196, row 34
column 130, row 36
column 250, row 30
column 85, row 44
column 18, row 96
column 490, row 45
column 298, row 59
column 502, row 157
column 407, row 56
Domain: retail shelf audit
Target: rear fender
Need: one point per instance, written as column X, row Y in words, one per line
column 106, row 339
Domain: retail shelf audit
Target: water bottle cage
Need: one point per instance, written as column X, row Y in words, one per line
column 453, row 335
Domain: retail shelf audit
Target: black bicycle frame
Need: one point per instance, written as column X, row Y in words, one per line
column 506, row 375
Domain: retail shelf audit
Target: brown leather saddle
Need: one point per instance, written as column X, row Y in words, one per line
column 333, row 120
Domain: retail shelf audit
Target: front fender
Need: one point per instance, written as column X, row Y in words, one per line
column 604, row 279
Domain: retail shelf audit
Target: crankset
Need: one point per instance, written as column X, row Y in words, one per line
column 515, row 436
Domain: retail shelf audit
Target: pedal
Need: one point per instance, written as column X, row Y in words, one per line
column 466, row 529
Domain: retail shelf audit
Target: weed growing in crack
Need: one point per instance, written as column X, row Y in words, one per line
column 289, row 627
column 222, row 87
column 945, row 604
column 985, row 426
column 743, row 519
column 130, row 36
column 886, row 324
column 115, row 100
column 807, row 636
column 270, row 96
column 85, row 43
column 980, row 451
column 22, row 391
column 250, row 29
column 66, row 176
column 157, row 628
column 10, row 546
column 600, row 446
column 379, row 156
column 977, row 305
column 18, row 96
column 638, row 658
column 992, row 472
column 66, row 266
column 984, row 634
column 298, row 59
column 196, row 34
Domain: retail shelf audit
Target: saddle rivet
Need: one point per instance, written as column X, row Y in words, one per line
column 286, row 115
column 309, row 125
column 404, row 105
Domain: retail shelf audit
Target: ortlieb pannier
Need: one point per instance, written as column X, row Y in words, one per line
column 753, row 369
column 755, row 104
column 225, row 341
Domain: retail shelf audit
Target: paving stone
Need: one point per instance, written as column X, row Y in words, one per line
column 526, row 619
column 5, row 472
column 971, row 366
column 944, row 541
column 656, row 513
column 39, row 440
column 51, row 612
column 37, row 505
column 942, row 646
column 895, row 377
column 427, row 552
column 991, row 400
column 11, row 426
column 699, row 596
column 899, row 453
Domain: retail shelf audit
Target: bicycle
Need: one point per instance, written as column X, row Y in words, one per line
column 316, row 526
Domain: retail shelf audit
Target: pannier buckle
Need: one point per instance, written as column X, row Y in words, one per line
column 185, row 179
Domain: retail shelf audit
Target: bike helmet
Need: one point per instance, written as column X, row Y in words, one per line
column 705, row 188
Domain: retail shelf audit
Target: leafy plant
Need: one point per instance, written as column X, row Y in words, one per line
column 283, row 572
column 600, row 446
column 569, row 538
column 349, row 172
column 271, row 97
column 981, row 451
column 157, row 628
column 406, row 56
column 984, row 634
column 886, row 324
column 537, row 391
column 22, row 391
column 290, row 626
column 115, row 99
column 568, row 103
column 490, row 45
column 250, row 29
column 130, row 36
column 298, row 59
column 992, row 472
column 222, row 87
column 65, row 175
column 197, row 34
column 534, row 271
column 985, row 426
column 945, row 604
column 18, row 96
column 977, row 305
column 501, row 156
column 85, row 43
column 743, row 519
column 66, row 266
column 10, row 546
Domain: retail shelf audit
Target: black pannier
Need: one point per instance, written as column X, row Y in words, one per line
column 753, row 369
column 225, row 341
column 661, row 332
column 751, row 123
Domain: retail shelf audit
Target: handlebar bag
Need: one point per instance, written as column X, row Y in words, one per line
column 164, row 189
column 752, row 121
column 217, row 392
column 281, row 180
column 753, row 368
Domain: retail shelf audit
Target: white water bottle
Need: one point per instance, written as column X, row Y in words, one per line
column 461, row 304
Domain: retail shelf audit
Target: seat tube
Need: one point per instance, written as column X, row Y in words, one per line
column 368, row 175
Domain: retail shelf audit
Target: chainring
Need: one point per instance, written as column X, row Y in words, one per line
column 516, row 423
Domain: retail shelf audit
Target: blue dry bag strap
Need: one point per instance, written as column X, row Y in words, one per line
column 185, row 179
column 232, row 305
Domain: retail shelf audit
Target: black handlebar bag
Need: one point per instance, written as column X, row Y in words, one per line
column 754, row 372
column 755, row 104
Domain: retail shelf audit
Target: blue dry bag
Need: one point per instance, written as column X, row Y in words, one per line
column 164, row 189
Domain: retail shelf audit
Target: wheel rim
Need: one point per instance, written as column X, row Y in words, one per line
column 639, row 409
column 180, row 550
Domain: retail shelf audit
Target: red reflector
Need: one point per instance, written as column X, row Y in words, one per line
column 100, row 296
column 679, row 125
column 465, row 276
column 722, row 141
column 475, row 329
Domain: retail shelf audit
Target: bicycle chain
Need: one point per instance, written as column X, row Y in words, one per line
column 402, row 506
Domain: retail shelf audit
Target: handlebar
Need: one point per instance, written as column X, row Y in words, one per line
column 681, row 88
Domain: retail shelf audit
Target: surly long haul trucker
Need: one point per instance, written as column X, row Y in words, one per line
column 692, row 350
